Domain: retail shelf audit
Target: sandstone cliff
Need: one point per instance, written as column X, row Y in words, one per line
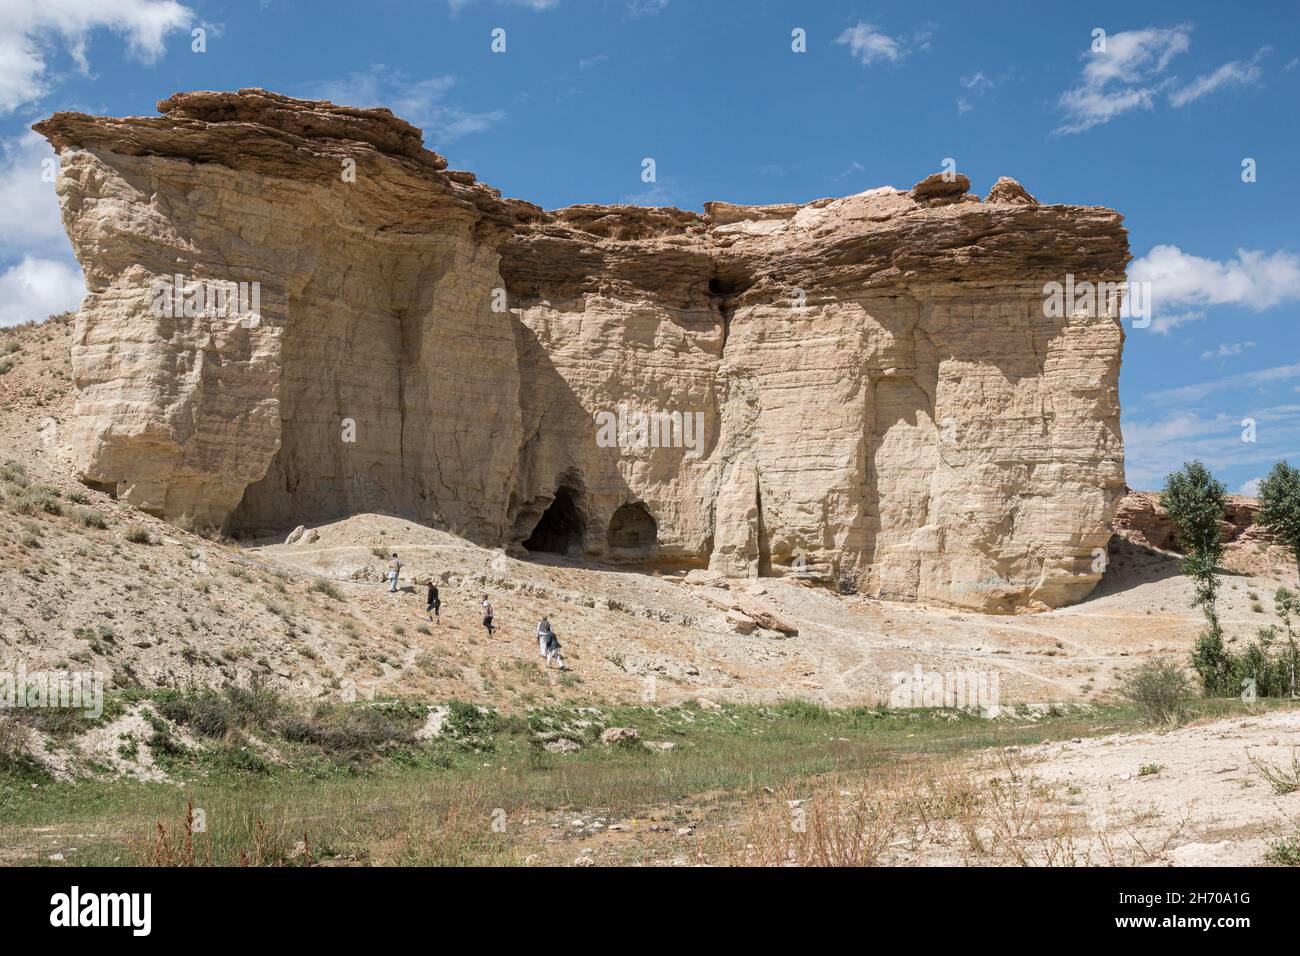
column 881, row 400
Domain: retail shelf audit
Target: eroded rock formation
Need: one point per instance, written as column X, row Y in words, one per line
column 882, row 401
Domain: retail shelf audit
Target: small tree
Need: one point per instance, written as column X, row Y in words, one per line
column 1279, row 506
column 1159, row 688
column 1196, row 501
column 1287, row 604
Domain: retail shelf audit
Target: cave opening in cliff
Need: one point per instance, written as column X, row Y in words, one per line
column 561, row 526
column 725, row 289
column 633, row 532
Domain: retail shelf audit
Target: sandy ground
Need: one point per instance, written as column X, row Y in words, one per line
column 1201, row 791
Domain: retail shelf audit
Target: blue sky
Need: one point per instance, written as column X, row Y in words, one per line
column 1156, row 125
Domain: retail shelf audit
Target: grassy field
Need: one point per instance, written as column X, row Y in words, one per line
column 354, row 784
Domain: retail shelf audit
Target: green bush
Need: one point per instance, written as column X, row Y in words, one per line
column 1160, row 688
column 217, row 714
column 355, row 730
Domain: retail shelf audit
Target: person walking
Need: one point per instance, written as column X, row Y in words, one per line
column 553, row 651
column 434, row 608
column 394, row 568
column 487, row 615
column 543, row 635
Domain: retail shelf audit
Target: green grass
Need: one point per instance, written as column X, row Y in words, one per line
column 356, row 781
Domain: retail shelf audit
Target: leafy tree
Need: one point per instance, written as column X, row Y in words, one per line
column 1196, row 501
column 1279, row 506
column 1287, row 604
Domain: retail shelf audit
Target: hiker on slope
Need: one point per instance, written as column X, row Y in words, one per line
column 434, row 607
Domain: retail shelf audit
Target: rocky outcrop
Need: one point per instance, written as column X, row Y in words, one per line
column 868, row 389
column 1142, row 519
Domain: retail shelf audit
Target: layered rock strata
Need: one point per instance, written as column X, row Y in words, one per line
column 867, row 391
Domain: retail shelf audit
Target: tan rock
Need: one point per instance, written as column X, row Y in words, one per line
column 764, row 616
column 620, row 735
column 1007, row 191
column 701, row 577
column 871, row 382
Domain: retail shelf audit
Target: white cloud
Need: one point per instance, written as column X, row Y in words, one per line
column 1254, row 279
column 29, row 209
column 963, row 105
column 645, row 8
column 31, row 29
column 1250, row 488
column 1123, row 77
column 38, row 288
column 1236, row 73
column 1152, row 449
column 868, row 46
column 1168, row 321
column 588, row 62
column 422, row 103
column 1226, row 349
column 1190, row 394
column 977, row 82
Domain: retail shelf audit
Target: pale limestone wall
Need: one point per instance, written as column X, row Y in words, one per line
column 884, row 401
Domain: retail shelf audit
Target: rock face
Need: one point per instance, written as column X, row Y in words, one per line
column 1143, row 520
column 869, row 388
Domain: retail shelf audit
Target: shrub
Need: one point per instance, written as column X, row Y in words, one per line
column 217, row 714
column 803, row 711
column 38, row 498
column 1284, row 852
column 327, row 588
column 352, row 731
column 91, row 518
column 138, row 534
column 1159, row 688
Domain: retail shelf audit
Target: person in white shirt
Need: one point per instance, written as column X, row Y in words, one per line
column 543, row 635
column 487, row 615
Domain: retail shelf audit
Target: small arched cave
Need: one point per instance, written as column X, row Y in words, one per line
column 633, row 532
column 561, row 526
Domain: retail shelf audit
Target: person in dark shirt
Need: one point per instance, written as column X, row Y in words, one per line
column 434, row 608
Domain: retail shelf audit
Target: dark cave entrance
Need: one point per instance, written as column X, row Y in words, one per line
column 561, row 526
column 633, row 532
column 726, row 290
